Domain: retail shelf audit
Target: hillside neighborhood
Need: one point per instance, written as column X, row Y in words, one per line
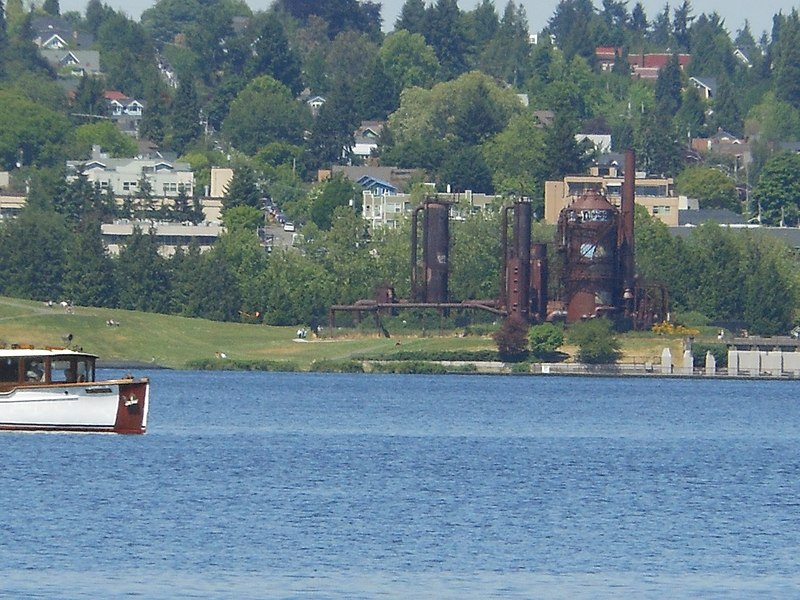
column 211, row 150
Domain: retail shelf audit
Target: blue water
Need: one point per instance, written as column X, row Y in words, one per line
column 279, row 485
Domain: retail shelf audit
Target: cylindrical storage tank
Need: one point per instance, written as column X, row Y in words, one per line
column 588, row 235
column 519, row 264
column 436, row 242
column 539, row 275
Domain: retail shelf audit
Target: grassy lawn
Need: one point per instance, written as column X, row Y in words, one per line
column 171, row 341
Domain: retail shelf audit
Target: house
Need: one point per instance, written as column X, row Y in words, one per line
column 55, row 33
column 397, row 178
column 367, row 137
column 315, row 103
column 606, row 56
column 706, row 85
column 73, row 63
column 119, row 104
column 739, row 54
column 122, row 175
column 647, row 66
column 377, row 187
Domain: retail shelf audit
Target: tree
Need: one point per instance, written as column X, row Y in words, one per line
column 215, row 292
column 658, row 150
column 445, row 32
column 51, row 7
column 336, row 191
column 104, row 134
column 669, row 88
column 786, row 59
column 332, row 135
column 89, row 98
column 29, row 132
column 185, row 123
column 413, row 17
column 242, row 190
column 777, row 192
column 475, row 256
column 680, row 26
column 572, row 26
column 512, row 339
column 32, row 256
column 596, row 341
column 727, row 115
column 770, row 294
column 141, row 275
column 712, row 187
column 563, row 154
column 89, row 272
column 264, row 112
column 408, row 61
column 464, row 168
column 691, row 115
column 272, row 55
column 516, row 157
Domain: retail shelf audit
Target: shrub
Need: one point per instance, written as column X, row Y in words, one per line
column 596, row 341
column 545, row 340
column 719, row 351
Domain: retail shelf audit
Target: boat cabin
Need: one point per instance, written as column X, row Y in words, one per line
column 27, row 366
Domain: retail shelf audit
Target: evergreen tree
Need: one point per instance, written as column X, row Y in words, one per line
column 3, row 39
column 141, row 275
column 572, row 26
column 658, row 150
column 51, row 7
column 691, row 115
column 332, row 138
column 680, row 26
column 242, row 190
column 661, row 32
column 639, row 22
column 215, row 292
column 89, row 274
column 787, row 60
column 669, row 88
column 32, row 257
column 727, row 115
column 564, row 156
column 89, row 99
column 484, row 22
column 445, row 32
column 413, row 17
column 273, row 56
column 185, row 122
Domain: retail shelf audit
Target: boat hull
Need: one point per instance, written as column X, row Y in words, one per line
column 114, row 406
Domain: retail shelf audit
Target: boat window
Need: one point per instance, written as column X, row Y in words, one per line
column 84, row 368
column 63, row 371
column 34, row 369
column 9, row 370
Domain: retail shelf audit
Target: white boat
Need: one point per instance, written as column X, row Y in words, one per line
column 55, row 389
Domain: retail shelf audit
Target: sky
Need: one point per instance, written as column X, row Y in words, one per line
column 759, row 14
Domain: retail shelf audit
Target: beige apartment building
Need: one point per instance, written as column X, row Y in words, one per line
column 656, row 194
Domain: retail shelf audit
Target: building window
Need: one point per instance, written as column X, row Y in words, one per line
column 128, row 185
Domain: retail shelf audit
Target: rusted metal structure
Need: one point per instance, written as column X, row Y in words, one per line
column 587, row 232
column 516, row 273
column 596, row 241
column 435, row 252
column 429, row 291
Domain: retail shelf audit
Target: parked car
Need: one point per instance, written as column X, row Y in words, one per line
column 288, row 226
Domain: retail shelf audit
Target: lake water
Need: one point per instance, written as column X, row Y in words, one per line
column 283, row 485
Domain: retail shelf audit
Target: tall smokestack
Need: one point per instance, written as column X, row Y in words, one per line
column 625, row 232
